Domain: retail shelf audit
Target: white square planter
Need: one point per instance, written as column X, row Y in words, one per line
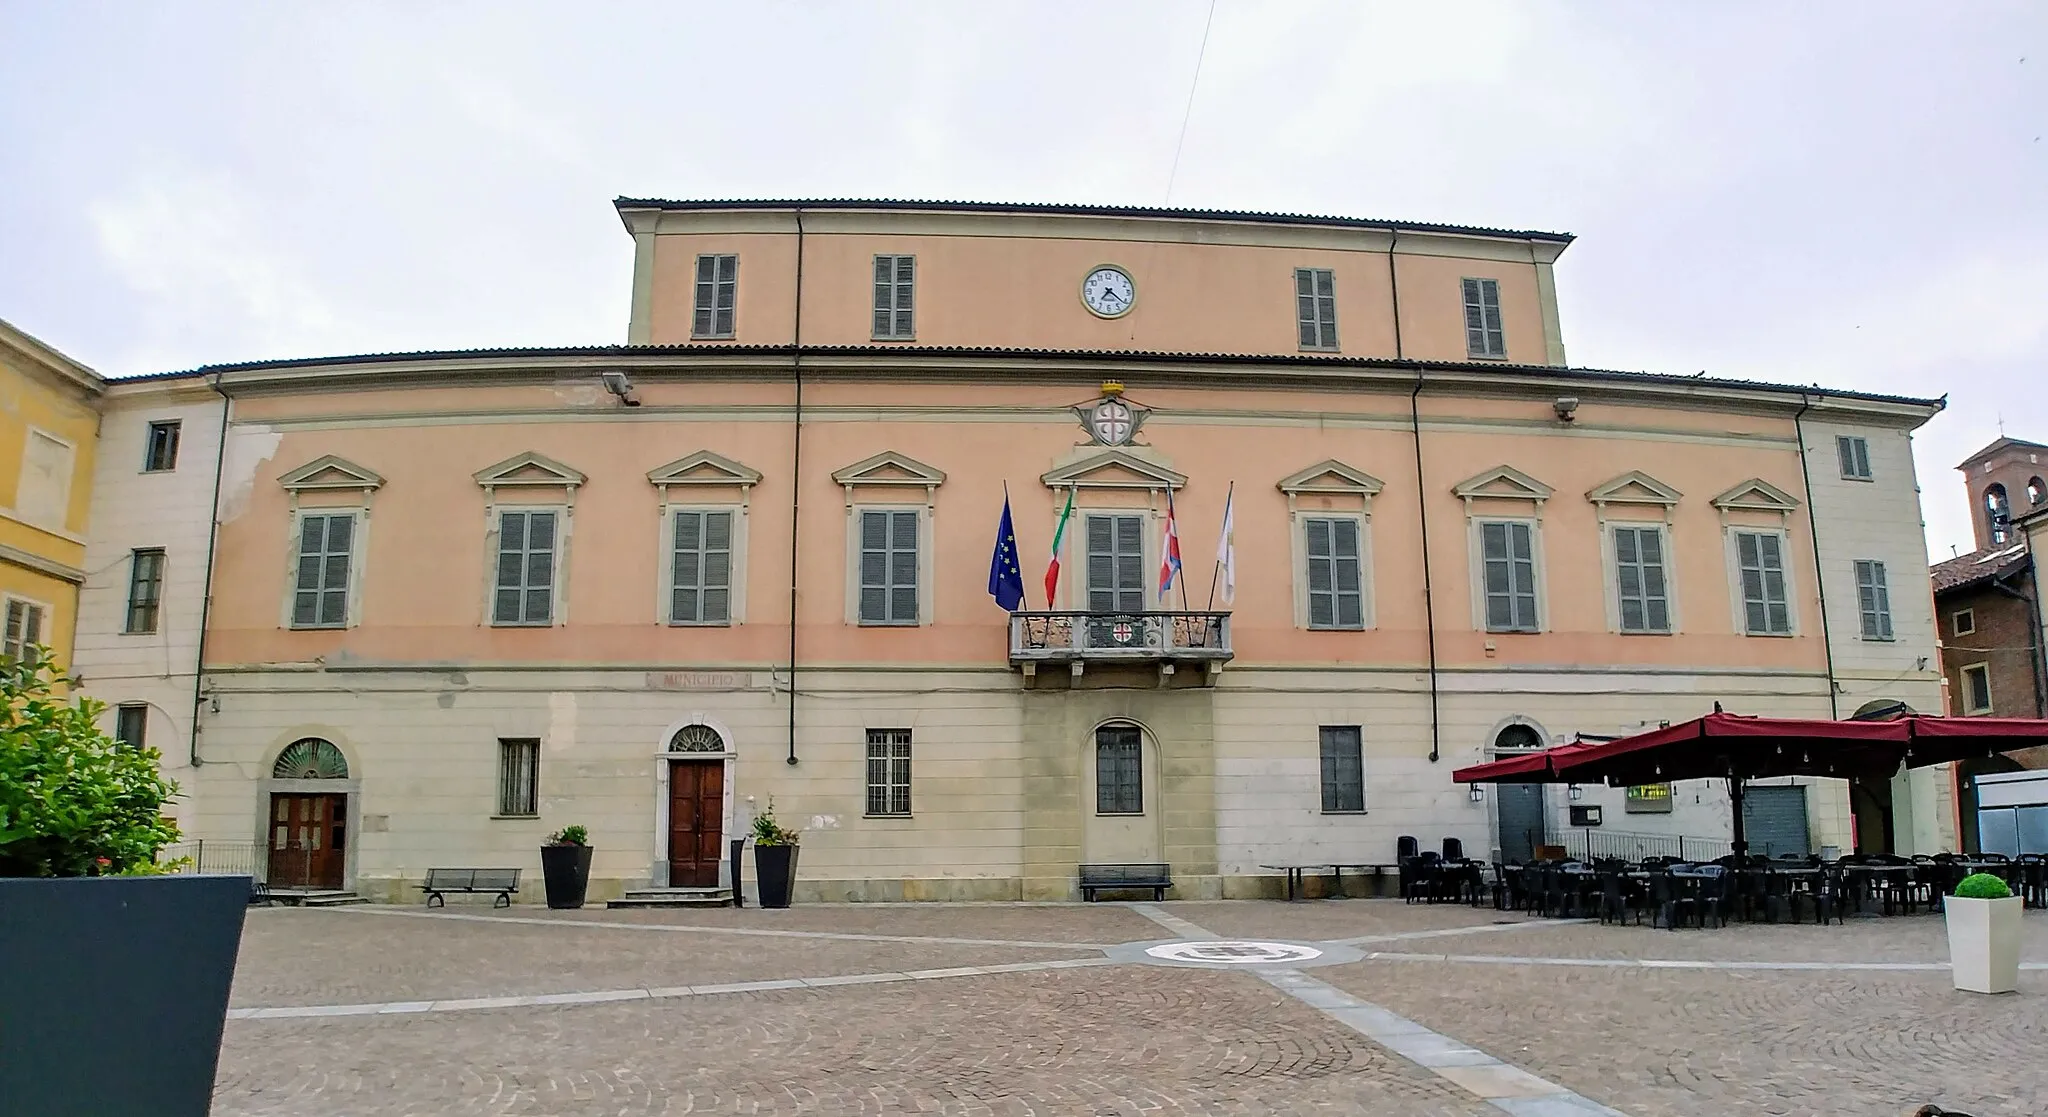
column 1984, row 943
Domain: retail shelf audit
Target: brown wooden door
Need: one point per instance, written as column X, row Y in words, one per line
column 696, row 808
column 308, row 834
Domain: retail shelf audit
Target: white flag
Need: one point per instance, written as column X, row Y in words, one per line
column 1226, row 549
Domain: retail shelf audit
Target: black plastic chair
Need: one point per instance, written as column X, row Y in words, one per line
column 1454, row 849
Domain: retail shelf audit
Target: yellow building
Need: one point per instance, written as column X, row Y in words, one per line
column 49, row 424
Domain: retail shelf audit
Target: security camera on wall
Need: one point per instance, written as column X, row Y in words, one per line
column 1566, row 407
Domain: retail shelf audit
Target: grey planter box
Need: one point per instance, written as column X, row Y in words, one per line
column 116, row 992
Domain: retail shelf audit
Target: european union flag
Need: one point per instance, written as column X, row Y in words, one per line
column 1005, row 577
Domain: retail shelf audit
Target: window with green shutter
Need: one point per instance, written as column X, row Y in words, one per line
column 888, row 567
column 1760, row 564
column 1508, row 555
column 525, row 588
column 1116, row 563
column 700, row 567
column 1639, row 579
column 320, row 592
column 717, row 292
column 1873, row 600
column 1336, row 587
column 1484, row 336
column 895, row 298
column 1315, row 299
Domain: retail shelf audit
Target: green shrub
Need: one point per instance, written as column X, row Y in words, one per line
column 1982, row 886
column 768, row 832
column 74, row 802
column 570, row 836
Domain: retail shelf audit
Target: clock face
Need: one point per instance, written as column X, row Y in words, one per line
column 1108, row 292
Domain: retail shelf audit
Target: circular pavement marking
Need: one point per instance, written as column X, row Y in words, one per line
column 1233, row 953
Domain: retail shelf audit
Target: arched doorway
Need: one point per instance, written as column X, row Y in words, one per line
column 307, row 827
column 694, row 801
column 1521, row 814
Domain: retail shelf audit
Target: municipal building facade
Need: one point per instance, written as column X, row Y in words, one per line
column 446, row 603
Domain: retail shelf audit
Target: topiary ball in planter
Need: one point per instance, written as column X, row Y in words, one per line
column 1982, row 886
column 1983, row 919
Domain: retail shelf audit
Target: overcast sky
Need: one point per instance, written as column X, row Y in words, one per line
column 1848, row 194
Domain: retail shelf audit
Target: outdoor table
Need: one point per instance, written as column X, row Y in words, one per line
column 1294, row 875
column 1860, row 877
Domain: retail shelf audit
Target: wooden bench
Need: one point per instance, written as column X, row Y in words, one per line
column 1095, row 878
column 504, row 882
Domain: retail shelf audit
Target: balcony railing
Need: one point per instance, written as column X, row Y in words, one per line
column 1147, row 637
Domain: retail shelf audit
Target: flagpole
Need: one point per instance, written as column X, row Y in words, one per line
column 1218, row 567
column 1181, row 574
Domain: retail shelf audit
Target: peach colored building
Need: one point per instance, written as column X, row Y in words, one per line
column 460, row 600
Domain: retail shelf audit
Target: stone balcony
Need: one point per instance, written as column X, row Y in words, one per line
column 1077, row 640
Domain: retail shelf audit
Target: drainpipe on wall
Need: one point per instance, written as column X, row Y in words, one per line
column 796, row 473
column 220, row 454
column 2033, row 637
column 1436, row 744
column 1820, row 581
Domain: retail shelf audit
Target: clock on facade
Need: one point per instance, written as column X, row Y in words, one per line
column 1108, row 292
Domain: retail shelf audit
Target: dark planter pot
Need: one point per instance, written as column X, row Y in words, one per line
column 775, row 871
column 117, row 991
column 567, row 869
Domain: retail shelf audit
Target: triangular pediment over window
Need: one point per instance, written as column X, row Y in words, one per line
column 330, row 472
column 704, row 468
column 1113, row 469
column 1634, row 487
column 890, row 468
column 1756, row 495
column 529, row 468
column 1331, row 477
column 1503, row 482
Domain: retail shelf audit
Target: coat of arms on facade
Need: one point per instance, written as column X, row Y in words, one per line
column 1112, row 420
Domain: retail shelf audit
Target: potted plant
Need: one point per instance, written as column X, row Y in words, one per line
column 774, row 858
column 1984, row 935
column 565, row 863
column 99, row 1017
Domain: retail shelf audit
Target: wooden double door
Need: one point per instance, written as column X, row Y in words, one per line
column 308, row 838
column 696, row 814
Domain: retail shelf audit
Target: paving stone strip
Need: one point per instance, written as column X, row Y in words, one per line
column 1172, row 923
column 1482, row 929
column 605, row 996
column 765, row 932
column 1661, row 963
column 1501, row 1085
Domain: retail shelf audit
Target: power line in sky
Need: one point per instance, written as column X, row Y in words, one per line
column 1189, row 111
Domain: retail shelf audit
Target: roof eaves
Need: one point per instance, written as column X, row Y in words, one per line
column 1080, row 210
column 1147, row 356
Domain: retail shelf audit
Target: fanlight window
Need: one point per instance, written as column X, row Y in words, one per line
column 1518, row 738
column 310, row 759
column 696, row 738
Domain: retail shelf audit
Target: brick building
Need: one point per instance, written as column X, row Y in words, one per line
column 1987, row 603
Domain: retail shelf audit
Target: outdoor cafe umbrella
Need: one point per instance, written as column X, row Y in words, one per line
column 1739, row 748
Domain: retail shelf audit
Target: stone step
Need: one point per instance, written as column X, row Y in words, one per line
column 315, row 898
column 673, row 898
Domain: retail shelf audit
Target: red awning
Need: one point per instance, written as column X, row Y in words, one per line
column 1720, row 745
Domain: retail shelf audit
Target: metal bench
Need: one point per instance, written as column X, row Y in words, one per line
column 504, row 882
column 259, row 893
column 1112, row 878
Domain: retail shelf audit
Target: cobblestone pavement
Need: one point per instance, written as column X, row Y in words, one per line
column 1113, row 1038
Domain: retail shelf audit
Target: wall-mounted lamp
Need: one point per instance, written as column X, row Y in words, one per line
column 1477, row 793
column 1573, row 792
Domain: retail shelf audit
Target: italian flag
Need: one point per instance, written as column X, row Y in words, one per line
column 1052, row 567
